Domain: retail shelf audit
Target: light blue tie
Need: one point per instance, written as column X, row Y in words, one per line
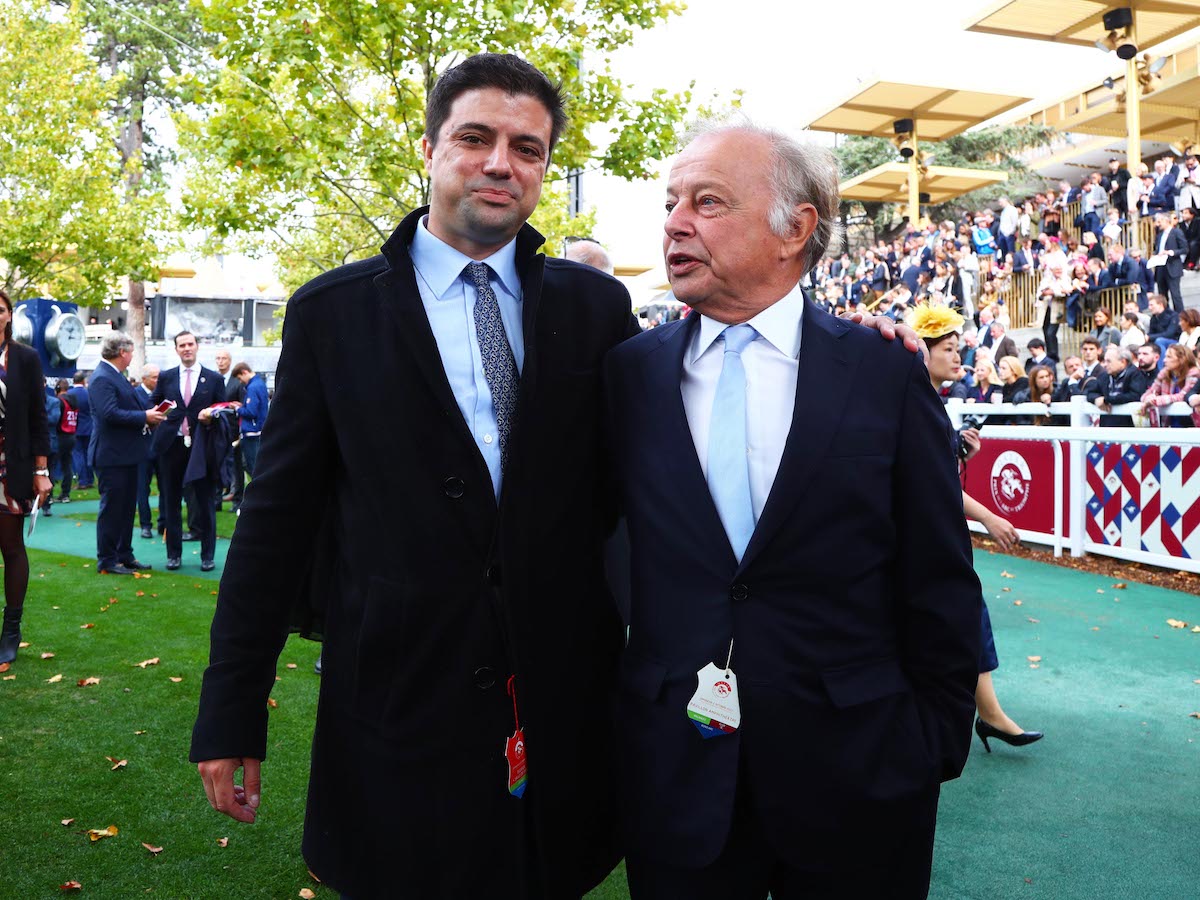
column 728, row 468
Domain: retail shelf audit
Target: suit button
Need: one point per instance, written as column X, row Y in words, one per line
column 485, row 677
column 493, row 575
column 739, row 592
column 453, row 487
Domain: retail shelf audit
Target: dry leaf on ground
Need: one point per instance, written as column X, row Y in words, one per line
column 54, row 679
column 88, row 625
column 66, row 822
column 47, row 656
column 117, row 763
column 176, row 679
column 95, row 834
column 1177, row 623
column 222, row 842
column 23, row 645
column 273, row 703
column 1007, row 575
column 147, row 662
column 71, row 886
column 1120, row 586
column 1034, row 658
column 90, row 680
column 154, row 851
column 307, row 894
column 1033, row 620
column 291, row 665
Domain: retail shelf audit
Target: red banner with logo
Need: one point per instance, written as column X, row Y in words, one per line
column 1015, row 479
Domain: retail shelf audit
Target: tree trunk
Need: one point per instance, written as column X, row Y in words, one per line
column 135, row 323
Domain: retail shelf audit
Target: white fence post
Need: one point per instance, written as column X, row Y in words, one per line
column 1081, row 417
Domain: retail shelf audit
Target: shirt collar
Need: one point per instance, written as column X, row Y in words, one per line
column 440, row 265
column 779, row 324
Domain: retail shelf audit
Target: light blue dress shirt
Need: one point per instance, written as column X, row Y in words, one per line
column 449, row 301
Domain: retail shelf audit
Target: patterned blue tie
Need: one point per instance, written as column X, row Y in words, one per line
column 728, row 468
column 499, row 366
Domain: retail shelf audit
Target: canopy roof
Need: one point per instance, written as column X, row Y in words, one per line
column 939, row 113
column 889, row 183
column 1080, row 21
column 1169, row 113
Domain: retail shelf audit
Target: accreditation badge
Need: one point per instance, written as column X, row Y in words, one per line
column 714, row 708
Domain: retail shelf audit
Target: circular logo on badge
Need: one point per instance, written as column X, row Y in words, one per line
column 722, row 689
column 519, row 749
column 1010, row 482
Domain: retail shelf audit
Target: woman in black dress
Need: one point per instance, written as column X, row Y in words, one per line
column 24, row 448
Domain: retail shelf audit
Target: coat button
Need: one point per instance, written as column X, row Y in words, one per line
column 739, row 592
column 485, row 677
column 492, row 574
column 453, row 487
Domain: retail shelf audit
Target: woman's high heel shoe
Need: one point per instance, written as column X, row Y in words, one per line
column 985, row 731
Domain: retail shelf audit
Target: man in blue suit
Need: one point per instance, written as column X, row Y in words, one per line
column 118, row 447
column 804, row 635
column 81, row 458
column 193, row 388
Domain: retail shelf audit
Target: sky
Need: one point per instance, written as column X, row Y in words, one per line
column 795, row 61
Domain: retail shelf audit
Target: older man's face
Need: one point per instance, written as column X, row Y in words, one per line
column 223, row 361
column 721, row 255
column 1113, row 362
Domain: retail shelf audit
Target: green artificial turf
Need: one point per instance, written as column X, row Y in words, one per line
column 1104, row 808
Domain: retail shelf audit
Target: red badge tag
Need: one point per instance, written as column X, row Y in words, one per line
column 514, row 749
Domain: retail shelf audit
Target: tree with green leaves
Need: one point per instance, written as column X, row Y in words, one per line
column 142, row 52
column 997, row 147
column 310, row 146
column 63, row 228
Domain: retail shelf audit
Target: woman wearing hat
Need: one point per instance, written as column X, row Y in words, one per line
column 938, row 327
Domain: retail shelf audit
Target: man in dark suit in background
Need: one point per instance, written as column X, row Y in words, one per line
column 83, row 433
column 1168, row 274
column 787, row 711
column 193, row 388
column 118, row 449
column 146, row 467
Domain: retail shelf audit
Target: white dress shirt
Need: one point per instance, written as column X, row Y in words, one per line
column 183, row 370
column 772, row 363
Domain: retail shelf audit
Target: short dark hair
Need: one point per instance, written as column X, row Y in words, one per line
column 79, row 378
column 1153, row 348
column 239, row 368
column 175, row 340
column 1090, row 340
column 1035, row 344
column 509, row 73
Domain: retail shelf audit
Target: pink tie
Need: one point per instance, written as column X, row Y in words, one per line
column 187, row 398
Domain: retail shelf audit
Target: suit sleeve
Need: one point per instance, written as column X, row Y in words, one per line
column 39, row 430
column 296, row 465
column 939, row 593
column 106, row 405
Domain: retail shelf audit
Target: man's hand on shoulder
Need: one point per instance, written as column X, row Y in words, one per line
column 889, row 330
column 238, row 801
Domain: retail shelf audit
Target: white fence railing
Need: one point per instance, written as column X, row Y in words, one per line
column 1168, row 501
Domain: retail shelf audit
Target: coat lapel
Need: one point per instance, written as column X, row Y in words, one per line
column 822, row 391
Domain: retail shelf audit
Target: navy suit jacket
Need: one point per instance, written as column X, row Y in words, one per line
column 119, row 419
column 208, row 389
column 855, row 610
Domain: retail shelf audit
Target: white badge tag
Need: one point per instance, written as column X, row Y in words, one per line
column 714, row 708
column 187, row 440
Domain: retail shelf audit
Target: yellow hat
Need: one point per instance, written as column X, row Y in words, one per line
column 934, row 321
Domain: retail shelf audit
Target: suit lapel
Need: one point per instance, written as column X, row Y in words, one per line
column 822, row 390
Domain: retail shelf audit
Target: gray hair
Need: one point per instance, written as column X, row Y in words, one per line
column 114, row 344
column 803, row 173
column 1122, row 353
column 590, row 253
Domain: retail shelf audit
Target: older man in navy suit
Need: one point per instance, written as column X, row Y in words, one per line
column 804, row 637
column 193, row 389
column 119, row 444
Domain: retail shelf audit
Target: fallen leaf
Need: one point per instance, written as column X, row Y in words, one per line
column 214, row 593
column 1033, row 620
column 54, row 679
column 140, row 594
column 1195, row 715
column 307, row 894
column 145, row 576
column 154, row 851
column 88, row 625
column 66, row 822
column 71, row 885
column 1034, row 658
column 1006, row 590
column 90, row 680
column 1034, row 666
column 143, row 731
column 10, row 677
column 313, row 876
column 1007, row 575
column 117, row 763
column 1095, row 628
column 176, row 679
column 1018, row 602
column 291, row 665
column 1176, row 623
column 95, row 834
column 47, row 656
column 23, row 645
column 273, row 703
column 147, row 662
column 1196, row 630
column 222, row 842
column 1099, row 590
column 1120, row 586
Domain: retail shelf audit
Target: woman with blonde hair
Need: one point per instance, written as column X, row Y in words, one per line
column 1178, row 377
column 1012, row 377
column 987, row 383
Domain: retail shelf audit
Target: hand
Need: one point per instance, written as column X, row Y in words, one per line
column 1002, row 532
column 1046, row 398
column 1099, row 401
column 238, row 801
column 889, row 330
column 970, row 437
column 42, row 487
column 235, row 404
column 205, row 415
column 1194, row 400
column 154, row 417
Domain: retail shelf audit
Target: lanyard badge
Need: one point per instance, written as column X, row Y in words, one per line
column 714, row 708
column 514, row 749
